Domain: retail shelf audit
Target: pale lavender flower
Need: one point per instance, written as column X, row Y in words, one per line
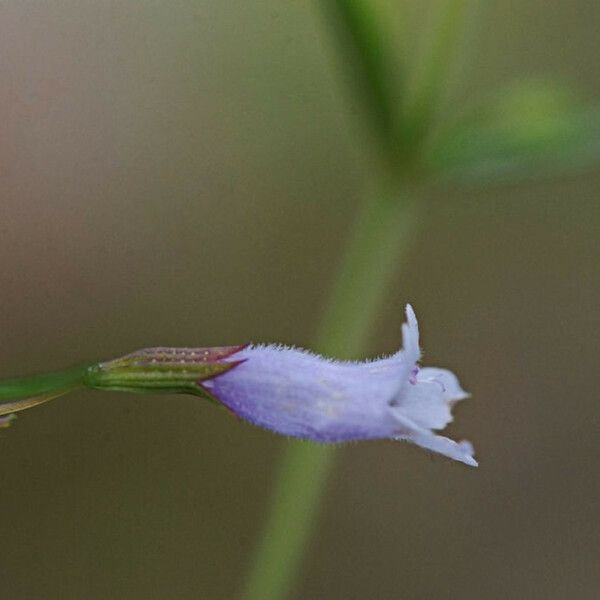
column 299, row 394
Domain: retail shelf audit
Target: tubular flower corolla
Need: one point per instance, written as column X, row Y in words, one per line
column 299, row 394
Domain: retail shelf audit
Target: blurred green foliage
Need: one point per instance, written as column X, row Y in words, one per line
column 529, row 130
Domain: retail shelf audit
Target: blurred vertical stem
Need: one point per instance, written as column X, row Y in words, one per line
column 381, row 236
column 371, row 69
column 433, row 70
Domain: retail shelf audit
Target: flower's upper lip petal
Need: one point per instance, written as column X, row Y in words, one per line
column 411, row 317
column 410, row 338
column 410, row 353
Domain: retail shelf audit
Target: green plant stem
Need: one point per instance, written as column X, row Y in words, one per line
column 38, row 385
column 373, row 72
column 381, row 237
column 25, row 392
column 433, row 70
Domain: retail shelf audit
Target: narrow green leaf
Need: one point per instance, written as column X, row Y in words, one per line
column 9, row 408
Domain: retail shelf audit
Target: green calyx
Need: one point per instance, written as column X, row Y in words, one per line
column 166, row 370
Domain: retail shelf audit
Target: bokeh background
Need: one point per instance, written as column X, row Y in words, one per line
column 186, row 173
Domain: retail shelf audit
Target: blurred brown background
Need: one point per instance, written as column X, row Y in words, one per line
column 185, row 173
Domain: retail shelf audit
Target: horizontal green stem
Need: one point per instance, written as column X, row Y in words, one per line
column 39, row 385
column 25, row 392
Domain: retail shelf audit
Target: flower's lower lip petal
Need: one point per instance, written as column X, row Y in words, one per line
column 453, row 392
column 424, row 405
column 461, row 451
column 408, row 427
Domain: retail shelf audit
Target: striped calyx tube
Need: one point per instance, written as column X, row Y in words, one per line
column 162, row 369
